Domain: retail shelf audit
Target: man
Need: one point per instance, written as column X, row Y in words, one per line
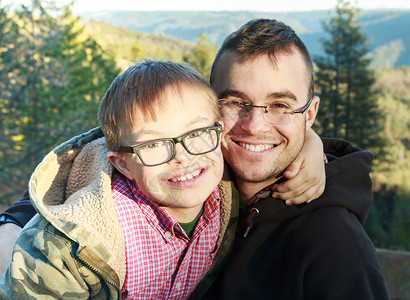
column 263, row 75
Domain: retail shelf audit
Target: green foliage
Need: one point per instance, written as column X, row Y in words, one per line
column 386, row 56
column 348, row 108
column 372, row 114
column 388, row 224
column 392, row 87
column 52, row 78
column 202, row 56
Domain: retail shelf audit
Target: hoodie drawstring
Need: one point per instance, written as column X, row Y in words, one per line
column 248, row 221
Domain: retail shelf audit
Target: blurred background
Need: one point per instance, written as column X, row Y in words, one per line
column 57, row 58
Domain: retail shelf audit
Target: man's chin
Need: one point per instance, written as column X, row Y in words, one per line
column 256, row 176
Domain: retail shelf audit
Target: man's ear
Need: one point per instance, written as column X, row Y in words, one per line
column 119, row 162
column 312, row 112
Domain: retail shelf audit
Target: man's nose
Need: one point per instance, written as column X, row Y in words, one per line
column 255, row 121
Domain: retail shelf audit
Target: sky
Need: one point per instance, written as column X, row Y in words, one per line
column 217, row 5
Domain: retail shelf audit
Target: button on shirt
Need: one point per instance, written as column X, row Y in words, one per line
column 162, row 262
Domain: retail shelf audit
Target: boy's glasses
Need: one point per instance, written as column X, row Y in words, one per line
column 236, row 109
column 161, row 151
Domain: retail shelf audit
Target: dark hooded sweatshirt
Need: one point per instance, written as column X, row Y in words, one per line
column 310, row 251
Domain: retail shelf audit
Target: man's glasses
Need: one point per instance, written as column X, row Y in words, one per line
column 237, row 109
column 161, row 151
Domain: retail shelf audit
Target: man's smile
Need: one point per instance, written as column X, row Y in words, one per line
column 256, row 147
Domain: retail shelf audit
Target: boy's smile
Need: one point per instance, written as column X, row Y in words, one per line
column 186, row 179
column 183, row 184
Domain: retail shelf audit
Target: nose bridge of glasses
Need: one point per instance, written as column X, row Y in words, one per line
column 249, row 107
column 183, row 150
column 253, row 112
column 270, row 115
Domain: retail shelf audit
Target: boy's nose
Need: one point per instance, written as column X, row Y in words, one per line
column 181, row 154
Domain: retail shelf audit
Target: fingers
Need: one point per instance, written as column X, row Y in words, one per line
column 293, row 169
column 299, row 189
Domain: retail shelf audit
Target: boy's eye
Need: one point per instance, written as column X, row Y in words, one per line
column 196, row 134
column 154, row 145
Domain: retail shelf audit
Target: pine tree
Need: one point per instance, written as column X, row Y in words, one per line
column 349, row 106
column 53, row 77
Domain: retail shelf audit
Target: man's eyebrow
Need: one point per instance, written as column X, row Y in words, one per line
column 232, row 93
column 283, row 95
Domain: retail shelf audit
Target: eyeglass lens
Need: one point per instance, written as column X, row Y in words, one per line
column 195, row 143
column 236, row 111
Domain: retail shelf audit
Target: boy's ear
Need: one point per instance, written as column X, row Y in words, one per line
column 118, row 161
column 312, row 112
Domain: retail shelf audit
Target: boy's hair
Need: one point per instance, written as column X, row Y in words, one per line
column 264, row 37
column 141, row 90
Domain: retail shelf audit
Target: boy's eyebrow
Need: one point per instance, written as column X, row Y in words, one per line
column 146, row 131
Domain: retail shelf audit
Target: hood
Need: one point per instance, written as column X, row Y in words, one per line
column 348, row 185
column 71, row 188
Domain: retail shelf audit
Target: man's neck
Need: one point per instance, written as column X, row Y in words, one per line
column 248, row 189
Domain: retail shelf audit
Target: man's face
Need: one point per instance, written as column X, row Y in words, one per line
column 256, row 150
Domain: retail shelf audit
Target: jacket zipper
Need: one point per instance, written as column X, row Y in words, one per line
column 97, row 272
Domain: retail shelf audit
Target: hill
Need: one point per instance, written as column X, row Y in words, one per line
column 130, row 45
column 388, row 30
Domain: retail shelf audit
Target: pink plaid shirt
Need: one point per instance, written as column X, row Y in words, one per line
column 162, row 262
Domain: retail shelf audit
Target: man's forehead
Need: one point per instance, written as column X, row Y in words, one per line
column 265, row 73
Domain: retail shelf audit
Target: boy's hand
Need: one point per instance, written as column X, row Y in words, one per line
column 305, row 176
column 8, row 235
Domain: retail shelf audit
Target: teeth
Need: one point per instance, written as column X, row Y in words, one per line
column 256, row 148
column 186, row 177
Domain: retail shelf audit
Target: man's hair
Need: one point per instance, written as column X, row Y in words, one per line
column 141, row 90
column 264, row 37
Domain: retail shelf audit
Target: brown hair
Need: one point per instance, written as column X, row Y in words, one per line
column 264, row 36
column 142, row 89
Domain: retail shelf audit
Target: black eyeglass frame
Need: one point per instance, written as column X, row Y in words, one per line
column 180, row 139
column 249, row 107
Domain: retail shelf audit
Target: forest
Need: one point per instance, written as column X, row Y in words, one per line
column 55, row 68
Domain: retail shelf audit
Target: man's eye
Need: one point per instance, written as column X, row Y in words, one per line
column 279, row 105
column 238, row 103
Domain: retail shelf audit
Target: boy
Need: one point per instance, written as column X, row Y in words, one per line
column 148, row 221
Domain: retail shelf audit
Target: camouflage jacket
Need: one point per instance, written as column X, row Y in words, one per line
column 74, row 247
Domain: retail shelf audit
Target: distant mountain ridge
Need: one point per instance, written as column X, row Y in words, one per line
column 388, row 30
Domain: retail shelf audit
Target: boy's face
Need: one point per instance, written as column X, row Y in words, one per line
column 183, row 184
